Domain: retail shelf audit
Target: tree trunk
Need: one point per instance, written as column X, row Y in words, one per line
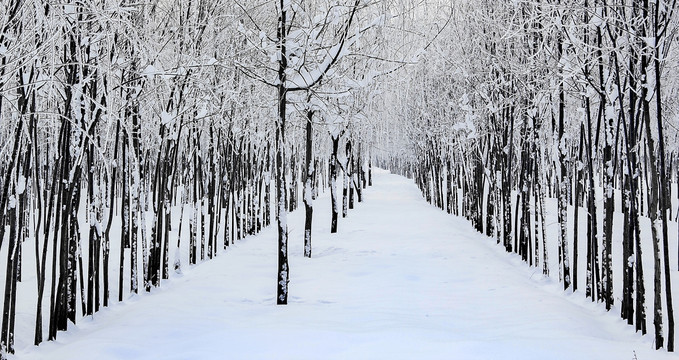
column 281, row 216
column 333, row 184
column 664, row 182
column 563, row 182
column 308, row 190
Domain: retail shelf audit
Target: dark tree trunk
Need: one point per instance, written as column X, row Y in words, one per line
column 563, row 183
column 507, row 181
column 576, row 203
column 281, row 216
column 308, row 190
column 665, row 184
column 125, row 235
column 333, row 184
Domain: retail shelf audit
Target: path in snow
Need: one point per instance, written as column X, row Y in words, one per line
column 401, row 280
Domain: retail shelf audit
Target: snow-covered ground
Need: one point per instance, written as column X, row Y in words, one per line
column 401, row 280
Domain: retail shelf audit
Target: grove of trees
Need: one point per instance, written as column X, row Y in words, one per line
column 138, row 138
column 552, row 127
column 142, row 137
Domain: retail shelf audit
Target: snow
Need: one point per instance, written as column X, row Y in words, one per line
column 12, row 202
column 166, row 118
column 150, row 70
column 308, row 192
column 401, row 280
column 307, row 76
column 21, row 185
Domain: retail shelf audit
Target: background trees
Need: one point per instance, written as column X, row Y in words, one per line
column 548, row 128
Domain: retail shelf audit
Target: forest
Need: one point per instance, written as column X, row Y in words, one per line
column 138, row 139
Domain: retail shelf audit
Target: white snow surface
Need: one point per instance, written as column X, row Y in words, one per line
column 400, row 280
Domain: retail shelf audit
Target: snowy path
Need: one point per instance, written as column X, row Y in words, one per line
column 401, row 280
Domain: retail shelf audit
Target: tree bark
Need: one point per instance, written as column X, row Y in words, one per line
column 281, row 216
column 308, row 190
